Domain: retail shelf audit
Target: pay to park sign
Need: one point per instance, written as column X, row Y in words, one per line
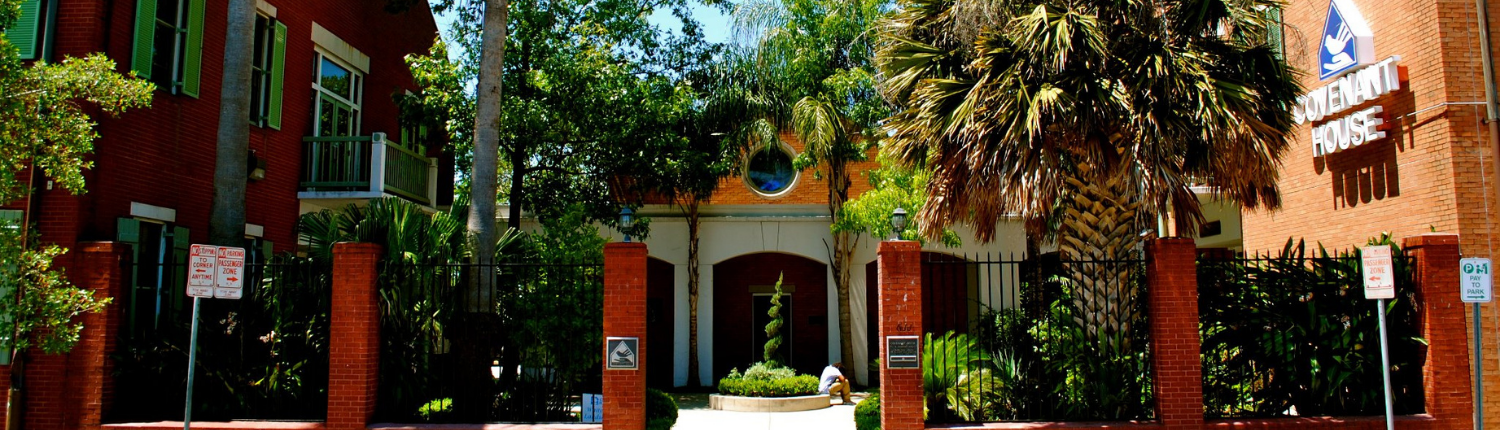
column 1475, row 280
column 216, row 272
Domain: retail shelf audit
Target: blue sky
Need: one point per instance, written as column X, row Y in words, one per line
column 716, row 25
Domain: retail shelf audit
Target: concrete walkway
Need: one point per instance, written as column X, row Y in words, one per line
column 693, row 414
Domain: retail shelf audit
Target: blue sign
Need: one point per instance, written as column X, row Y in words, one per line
column 1347, row 41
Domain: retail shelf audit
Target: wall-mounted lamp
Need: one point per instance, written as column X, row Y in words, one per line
column 627, row 221
column 257, row 169
column 898, row 221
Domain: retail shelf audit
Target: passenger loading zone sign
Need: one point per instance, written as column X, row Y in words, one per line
column 1380, row 278
column 216, row 271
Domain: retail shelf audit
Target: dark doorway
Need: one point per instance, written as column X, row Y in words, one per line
column 659, row 323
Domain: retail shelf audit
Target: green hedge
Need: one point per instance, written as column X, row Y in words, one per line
column 867, row 413
column 801, row 385
column 661, row 410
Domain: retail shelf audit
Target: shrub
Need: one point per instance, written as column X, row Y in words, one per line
column 767, row 380
column 867, row 413
column 661, row 410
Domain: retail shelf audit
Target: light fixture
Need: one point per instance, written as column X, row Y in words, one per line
column 627, row 221
column 898, row 221
column 257, row 167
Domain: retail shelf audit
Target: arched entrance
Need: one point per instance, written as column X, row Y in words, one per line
column 660, row 280
column 742, row 289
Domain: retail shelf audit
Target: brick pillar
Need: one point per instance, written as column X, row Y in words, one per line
column 625, row 316
column 72, row 390
column 1172, row 278
column 354, row 356
column 901, row 399
column 1447, row 372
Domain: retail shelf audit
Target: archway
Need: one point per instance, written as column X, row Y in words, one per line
column 742, row 286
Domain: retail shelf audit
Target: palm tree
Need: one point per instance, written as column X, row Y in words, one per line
column 227, row 223
column 811, row 60
column 1087, row 118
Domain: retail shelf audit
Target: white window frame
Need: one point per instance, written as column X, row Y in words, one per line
column 357, row 82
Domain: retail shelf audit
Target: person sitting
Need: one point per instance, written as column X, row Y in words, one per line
column 833, row 381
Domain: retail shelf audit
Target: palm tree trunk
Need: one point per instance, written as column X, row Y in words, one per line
column 226, row 225
column 692, row 222
column 843, row 251
column 1098, row 231
column 474, row 353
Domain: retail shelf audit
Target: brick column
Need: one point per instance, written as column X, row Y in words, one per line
column 625, row 316
column 72, row 390
column 1172, row 279
column 901, row 399
column 354, row 356
column 1446, row 374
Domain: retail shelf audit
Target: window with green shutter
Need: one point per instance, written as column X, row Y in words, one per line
column 1276, row 31
column 267, row 71
column 26, row 33
column 168, row 46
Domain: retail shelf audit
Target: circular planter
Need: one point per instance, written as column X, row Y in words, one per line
column 767, row 404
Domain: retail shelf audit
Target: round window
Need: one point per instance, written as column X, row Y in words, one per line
column 770, row 171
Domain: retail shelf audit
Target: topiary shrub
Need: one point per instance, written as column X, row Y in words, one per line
column 867, row 413
column 762, row 380
column 661, row 410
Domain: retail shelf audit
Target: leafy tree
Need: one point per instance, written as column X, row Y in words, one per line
column 1088, row 119
column 811, row 60
column 891, row 186
column 44, row 126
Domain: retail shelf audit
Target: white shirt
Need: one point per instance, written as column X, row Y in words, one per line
column 830, row 375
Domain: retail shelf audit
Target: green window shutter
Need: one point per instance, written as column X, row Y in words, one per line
column 278, row 74
column 24, row 33
column 145, row 36
column 181, row 242
column 266, row 251
column 128, row 231
column 1275, row 33
column 192, row 61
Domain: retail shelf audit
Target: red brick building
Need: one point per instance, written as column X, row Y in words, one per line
column 323, row 113
column 1412, row 72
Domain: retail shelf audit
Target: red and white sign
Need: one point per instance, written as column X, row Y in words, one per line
column 231, row 273
column 1380, row 275
column 203, row 270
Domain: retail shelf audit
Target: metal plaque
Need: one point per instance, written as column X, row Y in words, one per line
column 902, row 352
column 622, row 353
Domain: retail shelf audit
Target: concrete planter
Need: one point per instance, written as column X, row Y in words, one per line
column 767, row 404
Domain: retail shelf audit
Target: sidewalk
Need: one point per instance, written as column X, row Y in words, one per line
column 693, row 414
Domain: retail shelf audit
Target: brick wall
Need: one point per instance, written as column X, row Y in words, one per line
column 354, row 359
column 625, row 316
column 808, row 189
column 901, row 399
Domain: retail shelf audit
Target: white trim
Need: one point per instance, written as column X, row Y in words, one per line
column 158, row 213
column 255, row 230
column 340, row 49
column 265, row 8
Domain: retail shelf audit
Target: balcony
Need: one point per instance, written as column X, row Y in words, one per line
column 341, row 170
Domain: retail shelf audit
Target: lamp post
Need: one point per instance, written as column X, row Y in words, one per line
column 898, row 222
column 627, row 220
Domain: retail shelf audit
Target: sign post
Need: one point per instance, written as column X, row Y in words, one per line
column 1380, row 284
column 1475, row 287
column 213, row 271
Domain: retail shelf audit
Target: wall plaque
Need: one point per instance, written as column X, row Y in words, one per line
column 622, row 353
column 901, row 352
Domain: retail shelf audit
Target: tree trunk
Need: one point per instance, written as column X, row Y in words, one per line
column 843, row 250
column 226, row 224
column 692, row 222
column 475, row 351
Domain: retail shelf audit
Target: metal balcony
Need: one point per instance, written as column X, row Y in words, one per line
column 364, row 167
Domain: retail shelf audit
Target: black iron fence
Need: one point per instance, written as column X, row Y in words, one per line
column 264, row 356
column 516, row 342
column 1294, row 336
column 1034, row 339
